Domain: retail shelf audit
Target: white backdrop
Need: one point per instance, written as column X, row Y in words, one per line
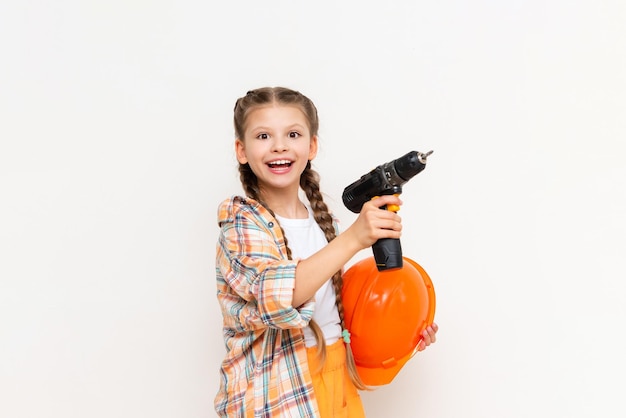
column 116, row 147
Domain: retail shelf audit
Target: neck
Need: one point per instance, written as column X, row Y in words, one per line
column 288, row 206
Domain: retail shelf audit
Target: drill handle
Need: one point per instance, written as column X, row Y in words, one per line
column 388, row 251
column 387, row 254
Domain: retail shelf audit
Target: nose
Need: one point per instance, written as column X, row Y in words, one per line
column 280, row 144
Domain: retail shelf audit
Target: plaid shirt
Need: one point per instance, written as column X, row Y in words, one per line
column 265, row 372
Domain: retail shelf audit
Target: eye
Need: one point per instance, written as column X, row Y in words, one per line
column 262, row 135
column 294, row 134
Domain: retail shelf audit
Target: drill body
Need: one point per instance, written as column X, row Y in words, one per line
column 385, row 179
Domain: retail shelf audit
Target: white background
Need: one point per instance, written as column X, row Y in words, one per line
column 117, row 145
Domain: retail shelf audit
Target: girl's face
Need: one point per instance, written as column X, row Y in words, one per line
column 277, row 145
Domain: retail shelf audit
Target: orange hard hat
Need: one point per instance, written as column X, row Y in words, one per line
column 386, row 313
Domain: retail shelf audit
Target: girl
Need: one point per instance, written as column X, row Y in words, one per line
column 278, row 265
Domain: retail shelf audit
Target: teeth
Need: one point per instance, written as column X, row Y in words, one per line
column 280, row 162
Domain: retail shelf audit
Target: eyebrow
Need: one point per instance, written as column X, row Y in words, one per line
column 290, row 127
column 296, row 125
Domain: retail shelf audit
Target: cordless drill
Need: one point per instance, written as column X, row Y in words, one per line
column 385, row 179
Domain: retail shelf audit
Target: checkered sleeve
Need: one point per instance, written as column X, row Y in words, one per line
column 261, row 278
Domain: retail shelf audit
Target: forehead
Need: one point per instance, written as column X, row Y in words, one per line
column 276, row 115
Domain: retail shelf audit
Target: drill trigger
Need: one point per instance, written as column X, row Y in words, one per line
column 392, row 208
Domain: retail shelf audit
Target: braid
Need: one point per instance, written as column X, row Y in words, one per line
column 309, row 181
column 249, row 181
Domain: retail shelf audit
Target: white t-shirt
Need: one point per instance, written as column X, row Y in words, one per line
column 305, row 238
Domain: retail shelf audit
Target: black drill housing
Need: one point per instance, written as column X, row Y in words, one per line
column 385, row 179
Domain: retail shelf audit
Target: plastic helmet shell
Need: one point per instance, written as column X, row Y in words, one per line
column 386, row 313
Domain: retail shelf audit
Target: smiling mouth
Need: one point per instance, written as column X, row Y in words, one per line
column 280, row 164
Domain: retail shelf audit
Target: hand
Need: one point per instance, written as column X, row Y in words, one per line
column 428, row 337
column 374, row 223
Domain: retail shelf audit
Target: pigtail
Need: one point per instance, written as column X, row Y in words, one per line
column 309, row 182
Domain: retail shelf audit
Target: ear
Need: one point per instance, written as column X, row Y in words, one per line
column 313, row 147
column 240, row 151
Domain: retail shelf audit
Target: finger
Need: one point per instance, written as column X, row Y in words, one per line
column 389, row 224
column 432, row 334
column 429, row 336
column 385, row 215
column 381, row 219
column 384, row 200
column 388, row 231
column 426, row 337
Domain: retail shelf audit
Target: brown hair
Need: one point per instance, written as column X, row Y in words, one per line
column 309, row 182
